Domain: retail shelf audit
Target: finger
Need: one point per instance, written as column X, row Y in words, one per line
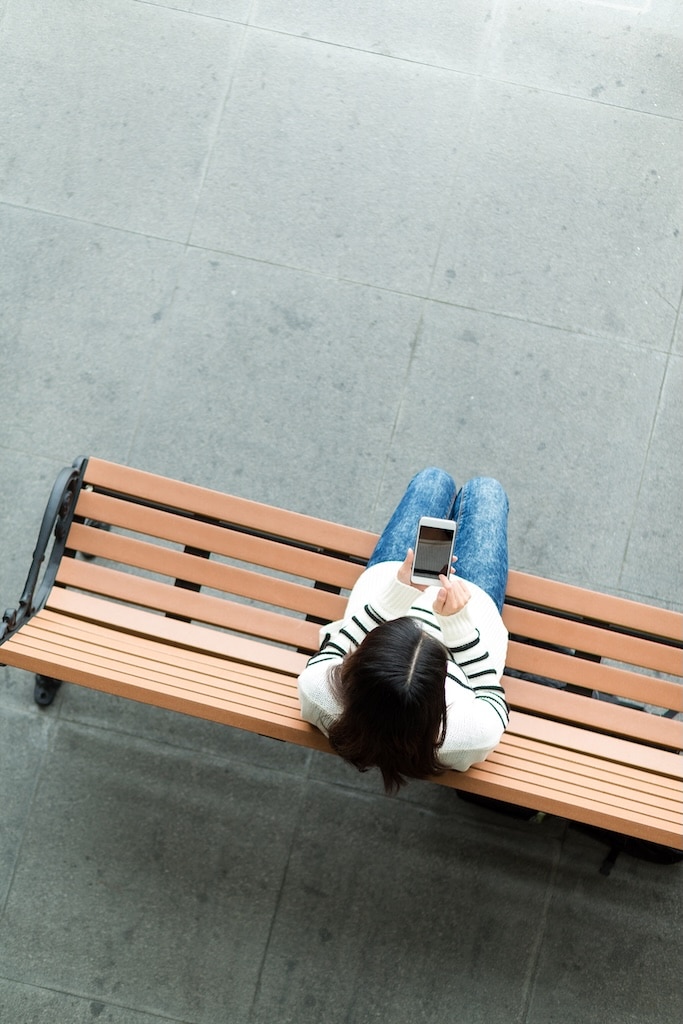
column 408, row 562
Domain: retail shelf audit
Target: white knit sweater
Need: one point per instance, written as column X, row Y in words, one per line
column 477, row 713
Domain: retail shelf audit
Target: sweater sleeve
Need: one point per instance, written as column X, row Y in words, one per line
column 476, row 639
column 477, row 711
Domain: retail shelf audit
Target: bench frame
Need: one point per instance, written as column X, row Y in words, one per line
column 600, row 762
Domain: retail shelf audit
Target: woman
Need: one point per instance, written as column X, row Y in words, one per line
column 409, row 680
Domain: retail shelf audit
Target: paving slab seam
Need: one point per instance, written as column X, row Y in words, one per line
column 97, row 1001
column 215, row 131
column 47, row 749
column 293, row 842
column 185, row 247
column 197, row 14
column 581, row 99
column 90, row 222
column 478, row 75
column 676, row 323
column 643, row 471
column 529, row 982
column 191, row 751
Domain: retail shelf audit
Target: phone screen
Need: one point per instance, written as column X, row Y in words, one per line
column 432, row 557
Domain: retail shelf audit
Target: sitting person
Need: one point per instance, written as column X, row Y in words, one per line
column 410, row 680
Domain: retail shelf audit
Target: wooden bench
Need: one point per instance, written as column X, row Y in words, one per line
column 193, row 600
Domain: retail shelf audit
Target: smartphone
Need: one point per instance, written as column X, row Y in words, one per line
column 433, row 551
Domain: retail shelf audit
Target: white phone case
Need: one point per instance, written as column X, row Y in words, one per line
column 433, row 551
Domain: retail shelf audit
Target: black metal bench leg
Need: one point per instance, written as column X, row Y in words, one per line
column 45, row 689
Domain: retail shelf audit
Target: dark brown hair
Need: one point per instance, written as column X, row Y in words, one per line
column 392, row 690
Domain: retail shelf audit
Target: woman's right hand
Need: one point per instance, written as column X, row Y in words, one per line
column 452, row 597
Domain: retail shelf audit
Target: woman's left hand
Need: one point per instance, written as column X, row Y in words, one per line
column 403, row 574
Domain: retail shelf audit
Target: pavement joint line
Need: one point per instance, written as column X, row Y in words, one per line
column 531, row 976
column 184, row 248
column 50, row 733
column 101, row 1000
column 480, row 75
column 144, row 740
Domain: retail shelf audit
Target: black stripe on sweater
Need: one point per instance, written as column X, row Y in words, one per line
column 467, row 647
column 501, row 714
column 360, row 625
column 375, row 616
column 474, row 661
column 349, row 636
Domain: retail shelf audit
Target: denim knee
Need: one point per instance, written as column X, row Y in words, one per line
column 491, row 490
column 432, row 476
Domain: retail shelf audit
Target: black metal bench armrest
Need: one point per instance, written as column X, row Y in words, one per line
column 56, row 521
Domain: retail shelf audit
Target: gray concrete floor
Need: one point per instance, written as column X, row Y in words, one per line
column 296, row 251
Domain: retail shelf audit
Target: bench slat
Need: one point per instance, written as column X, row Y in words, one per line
column 202, row 682
column 595, row 675
column 631, row 615
column 50, row 631
column 205, row 573
column 591, row 639
column 592, row 788
column 69, row 603
column 555, row 796
column 558, row 797
column 227, row 508
column 199, row 607
column 608, row 749
column 219, row 540
column 588, row 765
column 594, row 714
column 66, row 604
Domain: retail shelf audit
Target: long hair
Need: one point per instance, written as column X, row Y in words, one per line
column 392, row 690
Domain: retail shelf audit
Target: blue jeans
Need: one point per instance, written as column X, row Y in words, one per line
column 480, row 509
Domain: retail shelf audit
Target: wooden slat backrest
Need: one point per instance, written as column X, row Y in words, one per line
column 214, row 505
column 606, row 678
column 595, row 714
column 567, row 635
column 204, row 573
column 205, row 536
column 593, row 639
column 229, row 546
column 633, row 616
